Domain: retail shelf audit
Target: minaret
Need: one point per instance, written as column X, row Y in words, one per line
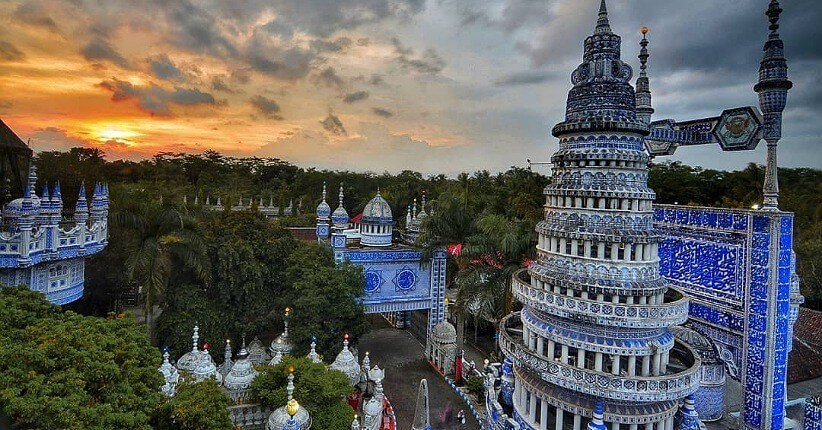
column 592, row 345
column 643, row 88
column 773, row 89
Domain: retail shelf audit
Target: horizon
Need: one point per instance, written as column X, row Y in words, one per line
column 428, row 86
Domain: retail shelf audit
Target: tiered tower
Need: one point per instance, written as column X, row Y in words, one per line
column 595, row 345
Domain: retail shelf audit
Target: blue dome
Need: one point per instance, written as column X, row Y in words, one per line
column 340, row 216
column 323, row 209
column 377, row 211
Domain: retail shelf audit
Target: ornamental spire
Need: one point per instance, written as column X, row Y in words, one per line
column 290, row 387
column 603, row 26
column 644, row 110
column 773, row 89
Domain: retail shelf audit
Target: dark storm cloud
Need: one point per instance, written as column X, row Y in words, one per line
column 267, row 107
column 355, row 96
column 9, row 52
column 385, row 113
column 526, row 78
column 336, row 45
column 100, row 50
column 162, row 67
column 218, row 83
column 154, row 99
column 329, row 78
column 428, row 63
column 195, row 29
column 333, row 125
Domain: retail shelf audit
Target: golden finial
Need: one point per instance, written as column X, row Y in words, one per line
column 644, row 30
column 292, row 407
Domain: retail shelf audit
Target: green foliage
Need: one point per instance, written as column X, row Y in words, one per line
column 63, row 370
column 196, row 406
column 319, row 289
column 475, row 385
column 321, row 391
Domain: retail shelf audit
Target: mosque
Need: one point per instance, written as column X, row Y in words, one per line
column 39, row 246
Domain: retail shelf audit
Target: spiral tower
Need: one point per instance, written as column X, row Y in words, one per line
column 592, row 344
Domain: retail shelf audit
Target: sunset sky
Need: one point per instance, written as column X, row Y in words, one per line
column 437, row 86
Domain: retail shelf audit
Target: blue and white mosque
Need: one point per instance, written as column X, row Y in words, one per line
column 398, row 282
column 39, row 246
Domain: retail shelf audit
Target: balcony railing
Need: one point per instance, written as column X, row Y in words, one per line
column 600, row 384
column 674, row 311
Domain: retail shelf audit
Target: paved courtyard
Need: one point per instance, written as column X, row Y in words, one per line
column 402, row 357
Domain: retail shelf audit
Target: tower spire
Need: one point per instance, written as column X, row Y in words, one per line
column 773, row 89
column 643, row 87
column 603, row 26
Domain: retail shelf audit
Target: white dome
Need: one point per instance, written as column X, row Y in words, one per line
column 206, row 368
column 377, row 211
column 241, row 374
column 444, row 332
column 346, row 363
column 279, row 419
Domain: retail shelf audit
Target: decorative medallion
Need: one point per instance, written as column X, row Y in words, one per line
column 738, row 129
column 406, row 279
column 373, row 281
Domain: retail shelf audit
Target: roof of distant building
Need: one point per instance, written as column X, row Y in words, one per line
column 805, row 360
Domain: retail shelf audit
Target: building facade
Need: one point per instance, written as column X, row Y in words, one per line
column 398, row 280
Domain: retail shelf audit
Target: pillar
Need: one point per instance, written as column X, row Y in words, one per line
column 615, row 365
column 577, row 422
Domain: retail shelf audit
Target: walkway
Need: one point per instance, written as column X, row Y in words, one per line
column 402, row 357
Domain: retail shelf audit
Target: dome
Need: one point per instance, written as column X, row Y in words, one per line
column 279, row 419
column 444, row 332
column 291, row 416
column 241, row 374
column 282, row 343
column 206, row 368
column 340, row 216
column 323, row 209
column 346, row 363
column 377, row 211
column 189, row 360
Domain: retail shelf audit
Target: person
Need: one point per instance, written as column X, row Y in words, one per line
column 461, row 419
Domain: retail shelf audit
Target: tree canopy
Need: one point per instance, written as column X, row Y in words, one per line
column 320, row 390
column 64, row 370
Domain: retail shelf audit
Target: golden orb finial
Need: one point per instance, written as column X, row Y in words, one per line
column 292, row 407
column 644, row 30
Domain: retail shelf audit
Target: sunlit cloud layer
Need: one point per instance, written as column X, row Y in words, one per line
column 438, row 86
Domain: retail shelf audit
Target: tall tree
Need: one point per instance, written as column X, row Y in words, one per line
column 162, row 239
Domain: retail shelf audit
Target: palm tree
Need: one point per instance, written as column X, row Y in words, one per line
column 162, row 239
column 497, row 250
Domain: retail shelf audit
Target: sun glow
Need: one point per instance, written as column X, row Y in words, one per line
column 107, row 134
